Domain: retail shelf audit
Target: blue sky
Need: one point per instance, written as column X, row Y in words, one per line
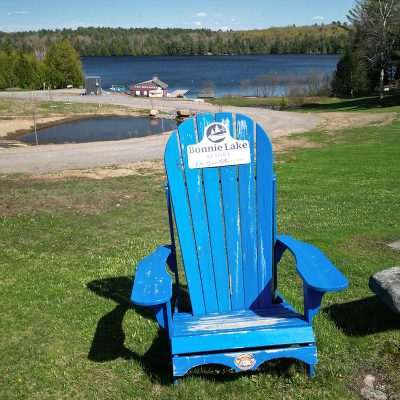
column 21, row 15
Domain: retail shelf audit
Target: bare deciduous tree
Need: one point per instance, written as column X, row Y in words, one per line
column 245, row 86
column 209, row 88
column 33, row 105
column 267, row 84
column 272, row 78
column 40, row 53
column 377, row 23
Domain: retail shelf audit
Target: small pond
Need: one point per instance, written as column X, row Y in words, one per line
column 100, row 129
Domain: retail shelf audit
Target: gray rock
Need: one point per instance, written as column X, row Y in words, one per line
column 386, row 284
column 369, row 381
column 153, row 113
column 369, row 393
column 395, row 245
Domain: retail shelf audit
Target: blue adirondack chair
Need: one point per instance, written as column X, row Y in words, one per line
column 225, row 217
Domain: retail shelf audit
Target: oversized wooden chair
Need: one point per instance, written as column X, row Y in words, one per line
column 221, row 192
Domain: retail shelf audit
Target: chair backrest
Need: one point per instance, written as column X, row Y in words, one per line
column 224, row 217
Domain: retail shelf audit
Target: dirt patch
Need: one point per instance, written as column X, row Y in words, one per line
column 366, row 244
column 336, row 121
column 333, row 122
column 287, row 143
column 20, row 125
column 55, row 199
column 383, row 381
column 142, row 168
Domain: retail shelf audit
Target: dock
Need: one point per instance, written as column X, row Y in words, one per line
column 179, row 93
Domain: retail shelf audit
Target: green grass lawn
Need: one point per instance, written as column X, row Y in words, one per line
column 391, row 103
column 246, row 102
column 68, row 250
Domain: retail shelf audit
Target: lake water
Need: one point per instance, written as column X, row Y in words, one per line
column 192, row 72
column 101, row 129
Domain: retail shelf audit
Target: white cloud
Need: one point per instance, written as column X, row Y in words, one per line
column 196, row 23
column 19, row 12
column 201, row 14
column 224, row 28
column 318, row 18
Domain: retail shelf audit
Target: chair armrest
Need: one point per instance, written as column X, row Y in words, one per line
column 316, row 270
column 152, row 283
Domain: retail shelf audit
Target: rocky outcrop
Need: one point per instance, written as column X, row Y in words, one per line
column 386, row 284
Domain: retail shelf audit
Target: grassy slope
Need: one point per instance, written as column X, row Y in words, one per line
column 316, row 104
column 245, row 102
column 364, row 104
column 68, row 248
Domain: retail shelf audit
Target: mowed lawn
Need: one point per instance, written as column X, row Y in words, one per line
column 68, row 252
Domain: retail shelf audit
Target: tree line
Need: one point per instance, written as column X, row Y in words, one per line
column 371, row 60
column 321, row 39
column 57, row 69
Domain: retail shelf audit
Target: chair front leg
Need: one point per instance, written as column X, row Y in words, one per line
column 164, row 316
column 312, row 302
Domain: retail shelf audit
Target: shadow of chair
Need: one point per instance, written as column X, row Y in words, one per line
column 363, row 317
column 108, row 343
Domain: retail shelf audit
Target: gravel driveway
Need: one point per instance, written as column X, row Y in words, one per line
column 50, row 158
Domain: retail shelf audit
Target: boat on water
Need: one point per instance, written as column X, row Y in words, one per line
column 117, row 89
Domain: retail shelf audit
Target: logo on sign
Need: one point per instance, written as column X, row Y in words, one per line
column 218, row 148
column 245, row 361
column 216, row 132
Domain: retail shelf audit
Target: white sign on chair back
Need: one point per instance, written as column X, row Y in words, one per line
column 218, row 148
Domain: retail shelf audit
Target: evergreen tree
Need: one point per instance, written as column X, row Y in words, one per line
column 27, row 72
column 7, row 77
column 277, row 48
column 350, row 77
column 201, row 47
column 62, row 66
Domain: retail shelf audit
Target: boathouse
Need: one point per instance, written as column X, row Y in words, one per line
column 93, row 85
column 151, row 88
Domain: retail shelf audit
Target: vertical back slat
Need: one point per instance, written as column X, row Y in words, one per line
column 174, row 168
column 187, row 136
column 225, row 219
column 216, row 223
column 264, row 216
column 274, row 266
column 232, row 224
column 245, row 131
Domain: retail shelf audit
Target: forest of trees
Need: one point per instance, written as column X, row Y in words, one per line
column 58, row 68
column 369, row 48
column 321, row 39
